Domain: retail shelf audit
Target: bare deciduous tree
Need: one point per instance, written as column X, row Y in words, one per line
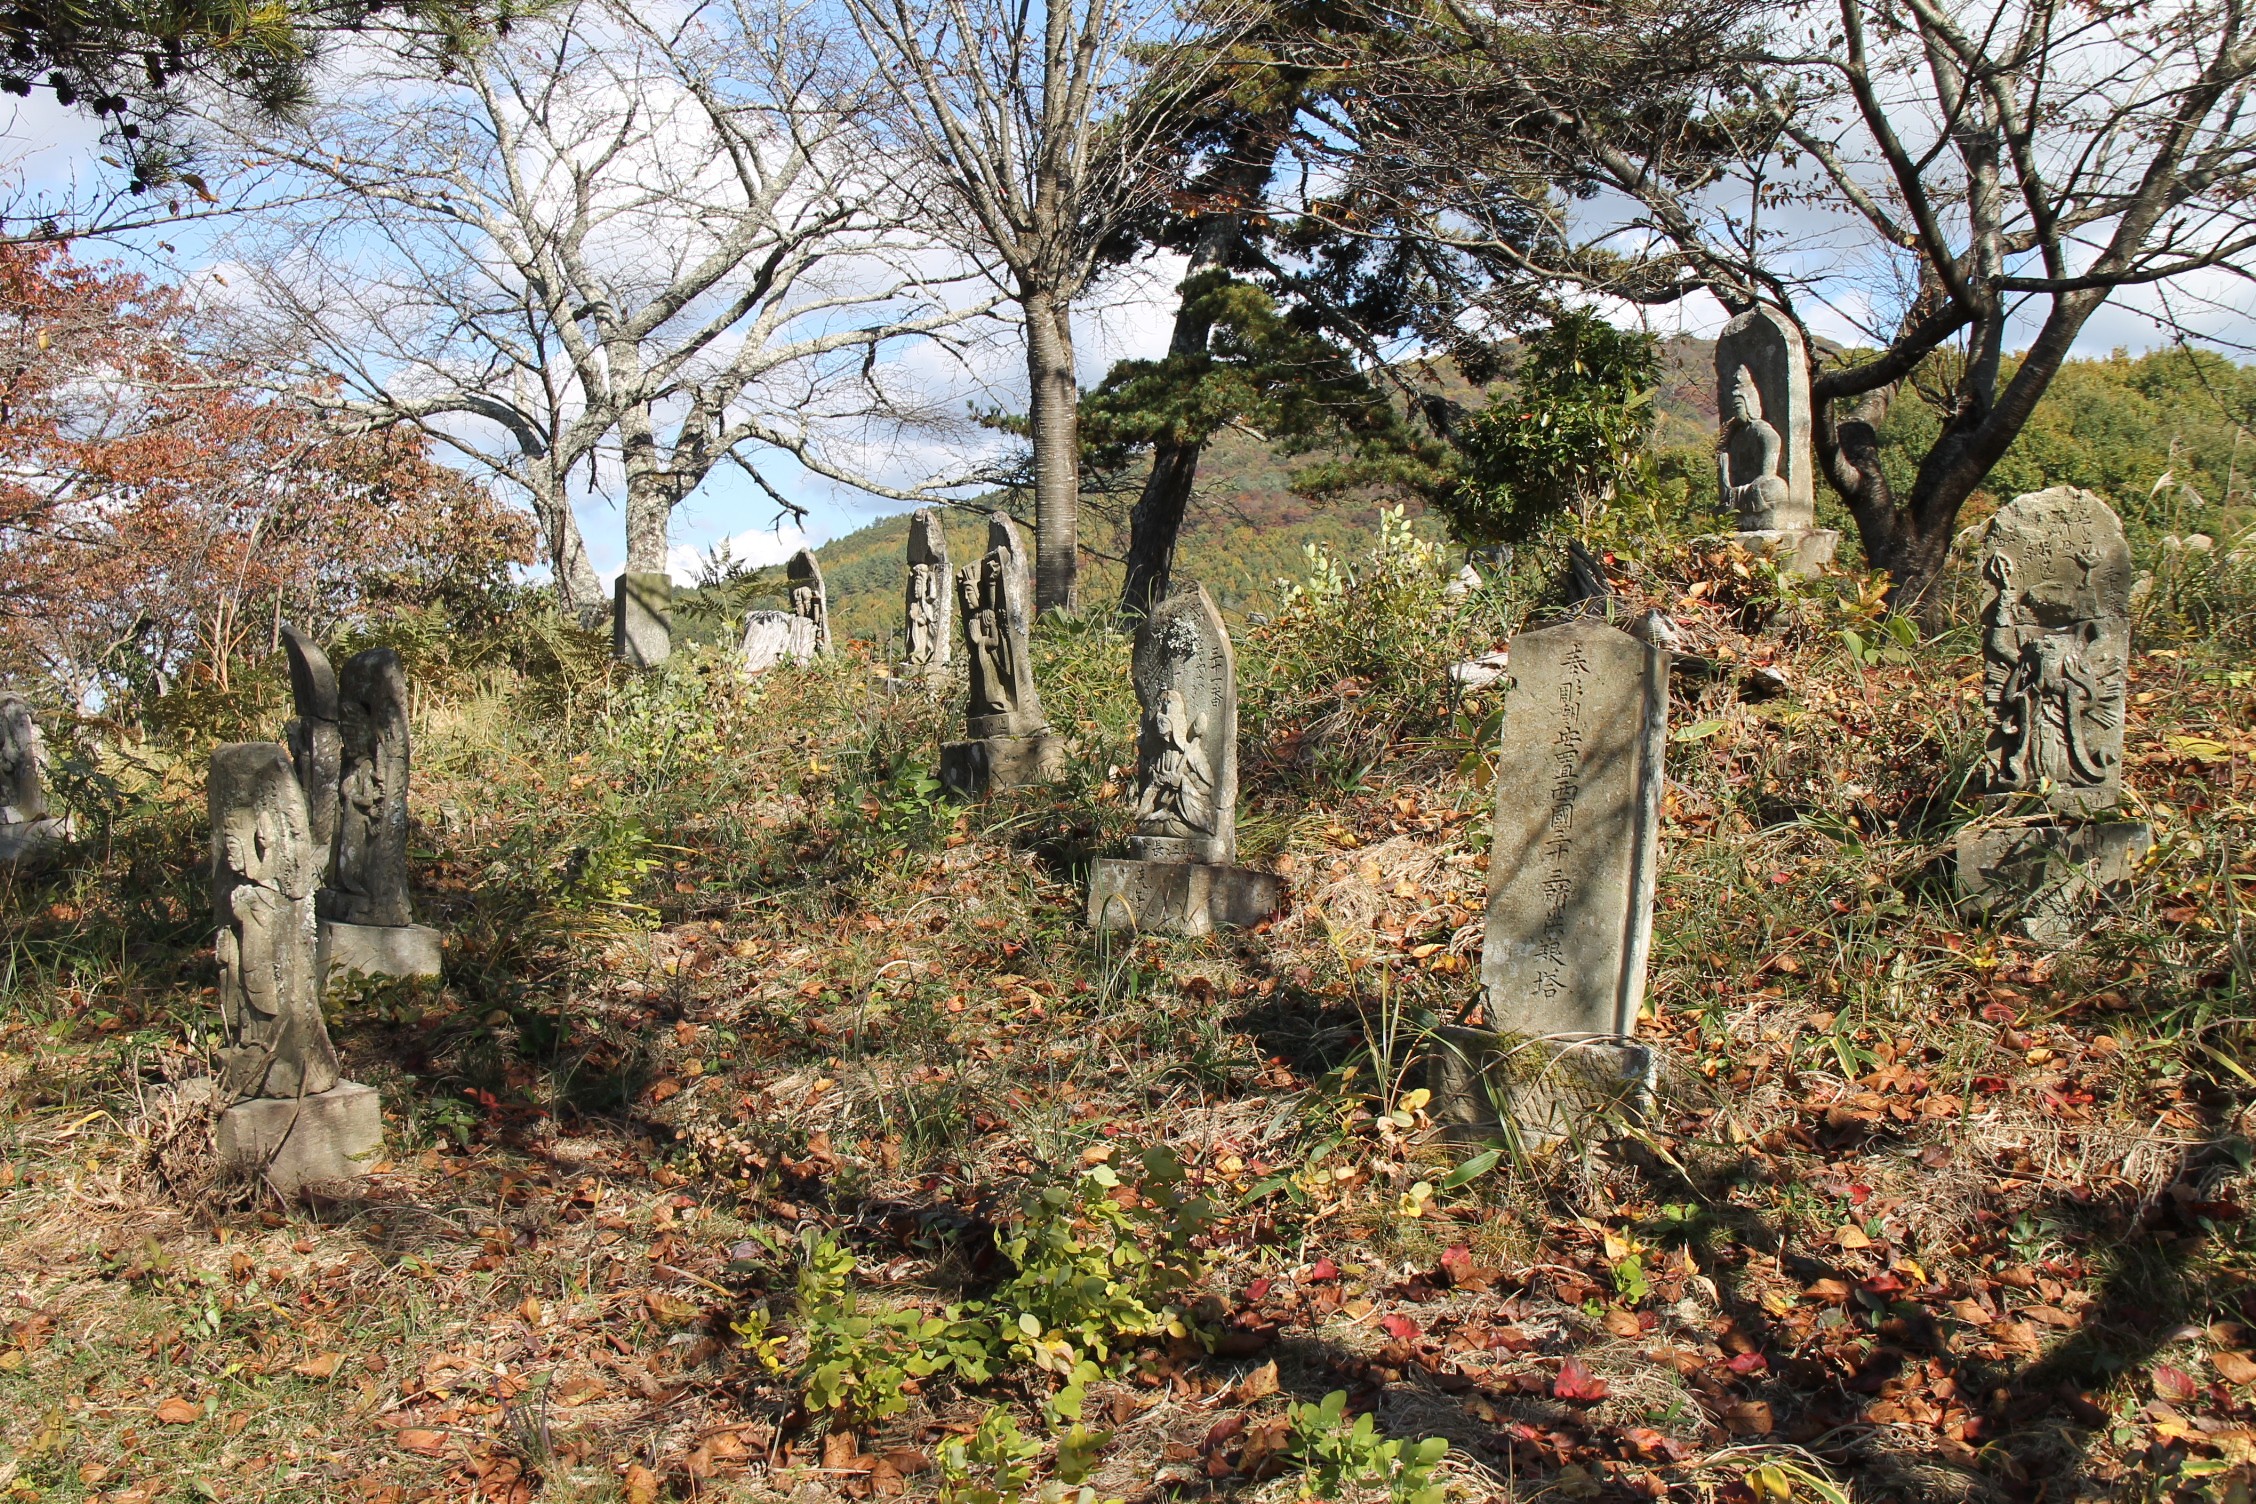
column 2006, row 165
column 603, row 242
column 1053, row 125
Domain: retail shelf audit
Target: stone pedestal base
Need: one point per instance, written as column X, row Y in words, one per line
column 335, row 1135
column 1531, row 1093
column 642, row 619
column 377, row 950
column 969, row 769
column 2049, row 878
column 1178, row 898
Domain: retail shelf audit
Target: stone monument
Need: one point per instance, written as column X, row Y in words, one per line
column 773, row 637
column 1008, row 742
column 1764, row 464
column 1570, row 888
column 315, row 742
column 25, row 824
column 2056, row 650
column 928, row 626
column 366, row 922
column 642, row 619
column 286, row 1113
column 809, row 602
column 1180, row 873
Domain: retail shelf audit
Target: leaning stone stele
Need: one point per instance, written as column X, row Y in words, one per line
column 1570, row 890
column 928, row 623
column 1180, row 873
column 367, row 923
column 642, row 619
column 2056, row 649
column 773, row 637
column 1008, row 742
column 288, row 1115
column 809, row 601
column 25, row 824
column 316, row 744
column 1764, row 464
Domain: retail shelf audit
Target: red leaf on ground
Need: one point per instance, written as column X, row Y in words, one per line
column 1457, row 1262
column 1748, row 1363
column 2174, row 1383
column 1575, row 1382
column 1401, row 1328
column 1322, row 1269
column 1258, row 1289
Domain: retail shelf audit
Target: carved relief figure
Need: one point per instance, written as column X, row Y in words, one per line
column 983, row 590
column 368, row 874
column 1178, row 793
column 925, row 613
column 262, row 894
column 809, row 601
column 1749, row 456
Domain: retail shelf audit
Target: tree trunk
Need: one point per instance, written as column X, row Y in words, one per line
column 650, row 492
column 1053, row 422
column 579, row 593
column 1156, row 522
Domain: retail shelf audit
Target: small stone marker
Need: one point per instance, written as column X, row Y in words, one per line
column 25, row 824
column 1009, row 742
column 809, row 601
column 1764, row 464
column 928, row 626
column 2056, row 649
column 367, row 924
column 289, row 1118
column 315, row 741
column 642, row 619
column 1570, row 888
column 1180, row 873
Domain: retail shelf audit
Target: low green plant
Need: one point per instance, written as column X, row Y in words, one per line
column 859, row 1358
column 1336, row 1454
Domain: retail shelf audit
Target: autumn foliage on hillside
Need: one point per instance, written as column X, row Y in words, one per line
column 164, row 503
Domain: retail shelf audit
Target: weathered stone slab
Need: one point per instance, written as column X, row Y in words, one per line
column 1764, row 464
column 1796, row 551
column 378, row 950
column 928, row 630
column 293, row 1143
column 1498, row 1088
column 1572, row 867
column 368, row 871
column 25, row 824
column 1181, row 898
column 642, row 619
column 773, row 637
column 316, row 744
column 810, row 602
column 2056, row 649
column 971, row 768
column 992, row 595
column 1186, row 678
column 2050, row 880
column 262, row 885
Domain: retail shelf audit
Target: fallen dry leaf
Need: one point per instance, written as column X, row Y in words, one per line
column 1749, row 1418
column 1851, row 1236
column 318, row 1367
column 840, row 1448
column 1259, row 1384
column 641, row 1485
column 422, row 1441
column 1623, row 1324
column 2235, row 1368
column 178, row 1412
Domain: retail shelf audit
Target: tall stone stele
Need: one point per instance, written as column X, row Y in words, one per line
column 928, row 622
column 1764, row 465
column 313, row 736
column 1180, row 874
column 1008, row 742
column 286, row 1114
column 25, row 824
column 366, row 922
column 810, row 602
column 1570, row 890
column 642, row 619
column 2056, row 651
